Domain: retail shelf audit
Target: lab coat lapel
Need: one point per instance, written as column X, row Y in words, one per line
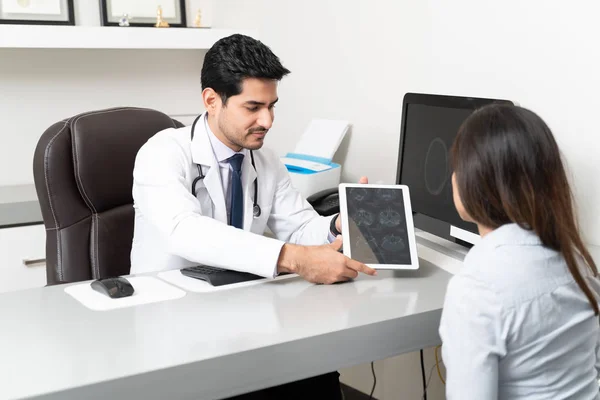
column 248, row 177
column 202, row 153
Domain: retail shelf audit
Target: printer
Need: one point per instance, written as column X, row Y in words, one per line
column 310, row 164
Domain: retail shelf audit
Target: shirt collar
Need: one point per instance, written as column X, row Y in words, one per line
column 511, row 234
column 221, row 151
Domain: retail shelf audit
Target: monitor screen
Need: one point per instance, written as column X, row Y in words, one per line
column 429, row 125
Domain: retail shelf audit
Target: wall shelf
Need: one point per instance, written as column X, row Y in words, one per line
column 102, row 37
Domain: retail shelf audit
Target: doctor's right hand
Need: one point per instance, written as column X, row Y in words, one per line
column 320, row 264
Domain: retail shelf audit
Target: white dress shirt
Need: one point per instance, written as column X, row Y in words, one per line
column 222, row 154
column 515, row 325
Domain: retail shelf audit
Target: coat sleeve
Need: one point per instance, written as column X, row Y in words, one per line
column 292, row 218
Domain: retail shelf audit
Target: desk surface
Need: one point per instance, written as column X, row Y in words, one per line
column 207, row 346
column 19, row 206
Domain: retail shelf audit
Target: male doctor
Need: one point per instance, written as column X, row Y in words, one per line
column 205, row 194
column 214, row 220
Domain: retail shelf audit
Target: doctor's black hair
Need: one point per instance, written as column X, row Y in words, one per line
column 232, row 59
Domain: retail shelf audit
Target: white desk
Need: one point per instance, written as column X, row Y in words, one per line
column 207, row 346
column 19, row 206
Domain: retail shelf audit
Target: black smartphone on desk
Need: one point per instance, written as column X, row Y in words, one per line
column 219, row 276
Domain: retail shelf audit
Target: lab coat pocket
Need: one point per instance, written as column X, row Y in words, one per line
column 206, row 204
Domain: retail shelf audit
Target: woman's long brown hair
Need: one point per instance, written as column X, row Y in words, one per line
column 509, row 169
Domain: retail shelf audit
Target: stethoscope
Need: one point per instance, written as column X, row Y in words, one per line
column 255, row 208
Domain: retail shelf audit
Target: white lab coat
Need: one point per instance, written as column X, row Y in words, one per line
column 174, row 229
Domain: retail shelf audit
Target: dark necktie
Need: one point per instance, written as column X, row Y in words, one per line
column 237, row 197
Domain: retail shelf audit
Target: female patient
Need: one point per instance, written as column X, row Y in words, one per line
column 520, row 320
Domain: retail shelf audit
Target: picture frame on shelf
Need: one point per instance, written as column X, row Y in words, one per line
column 142, row 13
column 37, row 12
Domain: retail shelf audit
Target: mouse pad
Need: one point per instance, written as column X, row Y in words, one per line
column 199, row 286
column 147, row 290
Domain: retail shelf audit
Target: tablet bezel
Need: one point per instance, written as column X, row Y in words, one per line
column 412, row 244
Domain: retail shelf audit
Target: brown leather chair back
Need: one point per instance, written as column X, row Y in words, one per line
column 83, row 173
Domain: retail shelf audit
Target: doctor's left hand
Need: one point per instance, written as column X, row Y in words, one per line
column 338, row 222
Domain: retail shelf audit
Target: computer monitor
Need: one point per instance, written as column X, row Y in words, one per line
column 429, row 125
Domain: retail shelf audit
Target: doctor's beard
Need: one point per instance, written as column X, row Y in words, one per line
column 254, row 138
column 258, row 134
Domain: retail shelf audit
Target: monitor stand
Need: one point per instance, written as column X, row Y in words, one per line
column 441, row 245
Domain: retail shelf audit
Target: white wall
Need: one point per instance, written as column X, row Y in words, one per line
column 38, row 88
column 398, row 378
column 41, row 86
column 355, row 60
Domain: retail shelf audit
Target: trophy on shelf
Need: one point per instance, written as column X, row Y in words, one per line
column 124, row 20
column 160, row 22
column 198, row 19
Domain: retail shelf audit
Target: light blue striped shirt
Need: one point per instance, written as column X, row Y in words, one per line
column 515, row 325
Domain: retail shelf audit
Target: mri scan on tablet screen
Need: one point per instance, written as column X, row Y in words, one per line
column 377, row 225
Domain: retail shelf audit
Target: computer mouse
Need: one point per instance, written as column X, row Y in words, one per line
column 114, row 288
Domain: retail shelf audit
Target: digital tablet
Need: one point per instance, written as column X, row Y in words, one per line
column 377, row 225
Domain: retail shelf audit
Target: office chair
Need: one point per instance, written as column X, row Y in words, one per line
column 83, row 173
